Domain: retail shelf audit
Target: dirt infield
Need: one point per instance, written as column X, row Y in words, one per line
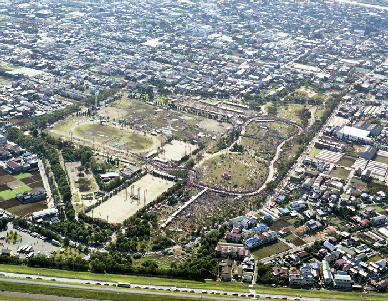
column 117, row 208
column 175, row 150
column 214, row 125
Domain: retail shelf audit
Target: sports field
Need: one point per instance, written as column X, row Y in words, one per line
column 175, row 150
column 122, row 206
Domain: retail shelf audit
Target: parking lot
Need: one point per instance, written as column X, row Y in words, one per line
column 37, row 243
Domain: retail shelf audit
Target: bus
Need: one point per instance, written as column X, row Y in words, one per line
column 56, row 243
column 123, row 284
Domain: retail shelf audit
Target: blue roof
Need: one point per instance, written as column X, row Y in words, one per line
column 252, row 239
column 342, row 277
column 27, row 154
column 281, row 197
column 286, row 210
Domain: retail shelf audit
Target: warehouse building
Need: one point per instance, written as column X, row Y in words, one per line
column 368, row 152
column 354, row 134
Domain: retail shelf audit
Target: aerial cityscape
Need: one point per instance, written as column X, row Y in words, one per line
column 203, row 149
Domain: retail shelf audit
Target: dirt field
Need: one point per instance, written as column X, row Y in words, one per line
column 118, row 208
column 214, row 126
column 298, row 242
column 175, row 150
column 279, row 224
column 347, row 161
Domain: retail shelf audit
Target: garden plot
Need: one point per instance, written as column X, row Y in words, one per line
column 360, row 163
column 329, row 156
column 122, row 205
column 175, row 150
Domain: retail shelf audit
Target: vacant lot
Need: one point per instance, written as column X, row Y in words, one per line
column 279, row 224
column 119, row 207
column 175, row 150
column 340, row 172
column 298, row 242
column 347, row 161
column 270, row 249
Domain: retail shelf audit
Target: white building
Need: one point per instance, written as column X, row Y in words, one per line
column 354, row 134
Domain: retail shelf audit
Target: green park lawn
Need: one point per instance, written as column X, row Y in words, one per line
column 22, row 189
column 8, row 194
column 22, row 175
column 110, row 135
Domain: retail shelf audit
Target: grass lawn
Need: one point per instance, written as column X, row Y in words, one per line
column 110, row 136
column 290, row 236
column 85, row 293
column 7, row 194
column 360, row 185
column 379, row 209
column 22, row 189
column 246, row 172
column 340, row 172
column 290, row 112
column 314, row 152
column 374, row 258
column 381, row 159
column 76, row 197
column 22, row 175
column 271, row 249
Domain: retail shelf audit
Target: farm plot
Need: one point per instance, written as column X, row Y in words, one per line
column 11, row 185
column 121, row 206
column 329, row 156
column 377, row 168
column 175, row 150
column 233, row 171
column 360, row 163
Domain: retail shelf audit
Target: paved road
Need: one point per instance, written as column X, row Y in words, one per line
column 142, row 289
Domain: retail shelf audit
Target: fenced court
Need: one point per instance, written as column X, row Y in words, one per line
column 122, row 205
column 175, row 150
